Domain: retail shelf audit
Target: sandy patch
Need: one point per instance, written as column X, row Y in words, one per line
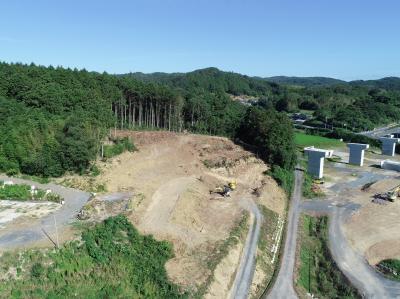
column 12, row 210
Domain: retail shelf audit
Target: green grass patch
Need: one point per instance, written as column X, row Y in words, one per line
column 35, row 178
column 390, row 268
column 310, row 189
column 303, row 140
column 318, row 273
column 284, row 178
column 22, row 192
column 269, row 230
column 120, row 145
column 113, row 261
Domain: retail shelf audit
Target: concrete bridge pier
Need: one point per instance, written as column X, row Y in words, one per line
column 316, row 158
column 389, row 145
column 357, row 151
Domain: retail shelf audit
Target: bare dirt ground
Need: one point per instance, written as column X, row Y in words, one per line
column 170, row 177
column 12, row 210
column 373, row 230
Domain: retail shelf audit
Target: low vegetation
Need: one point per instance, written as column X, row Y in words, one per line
column 23, row 192
column 237, row 235
column 118, row 147
column 317, row 272
column 284, row 178
column 310, row 188
column 112, row 261
column 268, row 248
column 390, row 268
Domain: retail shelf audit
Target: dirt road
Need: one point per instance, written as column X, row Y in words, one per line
column 20, row 236
column 244, row 275
column 283, row 287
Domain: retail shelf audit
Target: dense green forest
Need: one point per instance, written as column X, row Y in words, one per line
column 305, row 81
column 112, row 261
column 356, row 105
column 54, row 119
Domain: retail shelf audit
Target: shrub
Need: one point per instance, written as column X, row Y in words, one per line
column 37, row 270
column 284, row 178
column 119, row 146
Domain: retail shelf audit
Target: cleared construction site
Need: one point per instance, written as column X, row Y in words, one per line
column 200, row 193
column 361, row 196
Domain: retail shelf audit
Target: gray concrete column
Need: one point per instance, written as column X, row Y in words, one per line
column 316, row 160
column 357, row 153
column 389, row 145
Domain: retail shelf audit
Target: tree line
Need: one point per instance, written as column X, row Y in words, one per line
column 355, row 106
column 54, row 119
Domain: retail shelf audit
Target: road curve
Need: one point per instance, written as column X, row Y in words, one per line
column 19, row 237
column 283, row 286
column 370, row 283
column 244, row 275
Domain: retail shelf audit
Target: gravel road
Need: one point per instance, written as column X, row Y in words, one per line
column 283, row 287
column 244, row 275
column 19, row 237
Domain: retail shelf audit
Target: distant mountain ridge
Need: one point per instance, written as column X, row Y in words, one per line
column 389, row 83
column 305, row 81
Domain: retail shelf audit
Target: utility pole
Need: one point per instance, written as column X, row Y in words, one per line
column 309, row 261
column 309, row 272
column 55, row 224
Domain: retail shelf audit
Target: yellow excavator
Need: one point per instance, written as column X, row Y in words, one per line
column 391, row 195
column 225, row 190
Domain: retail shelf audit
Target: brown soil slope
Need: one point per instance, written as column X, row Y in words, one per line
column 171, row 176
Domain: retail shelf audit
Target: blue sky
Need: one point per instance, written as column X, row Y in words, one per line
column 346, row 39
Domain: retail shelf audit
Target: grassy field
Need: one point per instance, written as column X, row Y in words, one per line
column 317, row 272
column 303, row 140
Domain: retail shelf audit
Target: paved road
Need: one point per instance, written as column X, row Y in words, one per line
column 244, row 275
column 379, row 132
column 283, row 287
column 74, row 201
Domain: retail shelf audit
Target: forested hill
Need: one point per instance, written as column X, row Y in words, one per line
column 359, row 105
column 305, row 81
column 54, row 119
column 212, row 80
column 388, row 83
